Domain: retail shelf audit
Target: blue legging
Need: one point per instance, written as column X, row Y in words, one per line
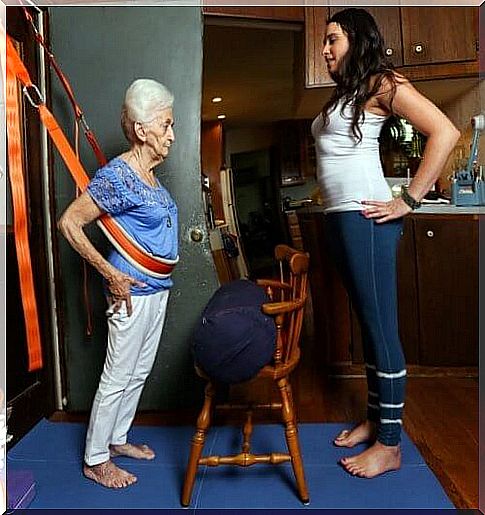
column 365, row 254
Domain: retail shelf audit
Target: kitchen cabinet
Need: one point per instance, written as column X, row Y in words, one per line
column 295, row 151
column 439, row 34
column 422, row 42
column 316, row 74
column 291, row 14
column 388, row 20
column 447, row 282
column 437, row 292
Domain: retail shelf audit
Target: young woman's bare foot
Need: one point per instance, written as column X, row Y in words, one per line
column 109, row 475
column 375, row 460
column 137, row 451
column 362, row 433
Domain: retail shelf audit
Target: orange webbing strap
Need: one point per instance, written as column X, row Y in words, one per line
column 153, row 265
column 20, row 211
column 78, row 112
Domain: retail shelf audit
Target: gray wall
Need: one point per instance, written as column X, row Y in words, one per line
column 102, row 49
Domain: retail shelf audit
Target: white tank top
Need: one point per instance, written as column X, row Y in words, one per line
column 349, row 171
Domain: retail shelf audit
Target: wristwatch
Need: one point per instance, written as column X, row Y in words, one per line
column 410, row 201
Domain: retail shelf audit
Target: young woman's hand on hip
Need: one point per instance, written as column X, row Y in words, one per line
column 385, row 211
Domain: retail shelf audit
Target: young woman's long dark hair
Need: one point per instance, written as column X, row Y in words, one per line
column 365, row 59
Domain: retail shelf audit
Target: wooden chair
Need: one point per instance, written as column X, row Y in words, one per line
column 288, row 297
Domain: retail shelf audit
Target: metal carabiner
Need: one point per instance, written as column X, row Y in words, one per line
column 41, row 100
column 84, row 123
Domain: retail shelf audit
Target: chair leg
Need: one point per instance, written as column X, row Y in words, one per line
column 291, row 433
column 197, row 445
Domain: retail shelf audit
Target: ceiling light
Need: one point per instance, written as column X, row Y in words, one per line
column 221, row 116
column 215, row 100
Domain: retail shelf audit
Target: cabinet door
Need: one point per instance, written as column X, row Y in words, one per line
column 263, row 13
column 307, row 149
column 330, row 302
column 289, row 153
column 389, row 22
column 439, row 34
column 316, row 73
column 447, row 272
column 407, row 294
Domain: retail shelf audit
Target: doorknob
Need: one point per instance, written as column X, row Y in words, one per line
column 196, row 235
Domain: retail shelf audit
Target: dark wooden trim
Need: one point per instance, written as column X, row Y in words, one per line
column 279, row 13
column 440, row 71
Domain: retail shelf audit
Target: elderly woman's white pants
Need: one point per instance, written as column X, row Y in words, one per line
column 132, row 346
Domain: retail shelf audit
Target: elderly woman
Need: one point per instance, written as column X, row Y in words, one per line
column 127, row 189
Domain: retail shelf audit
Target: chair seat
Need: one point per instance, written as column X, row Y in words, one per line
column 282, row 369
column 268, row 371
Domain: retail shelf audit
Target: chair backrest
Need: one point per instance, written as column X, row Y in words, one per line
column 293, row 267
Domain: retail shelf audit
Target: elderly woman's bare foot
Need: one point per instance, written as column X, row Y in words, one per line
column 362, row 433
column 376, row 460
column 109, row 475
column 137, row 451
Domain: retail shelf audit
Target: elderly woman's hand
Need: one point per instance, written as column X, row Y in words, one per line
column 119, row 285
column 385, row 211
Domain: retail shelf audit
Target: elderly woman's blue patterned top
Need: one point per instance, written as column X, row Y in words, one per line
column 148, row 215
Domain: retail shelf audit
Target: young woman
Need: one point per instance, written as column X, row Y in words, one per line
column 363, row 221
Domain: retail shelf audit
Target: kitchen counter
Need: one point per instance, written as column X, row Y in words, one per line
column 440, row 209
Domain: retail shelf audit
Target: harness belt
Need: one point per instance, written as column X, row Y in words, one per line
column 150, row 264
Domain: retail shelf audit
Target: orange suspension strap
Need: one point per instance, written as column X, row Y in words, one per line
column 80, row 120
column 150, row 264
column 78, row 112
column 16, row 172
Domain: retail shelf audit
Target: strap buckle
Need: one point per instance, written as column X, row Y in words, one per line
column 40, row 98
column 84, row 123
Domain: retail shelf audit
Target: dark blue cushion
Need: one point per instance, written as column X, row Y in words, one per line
column 234, row 339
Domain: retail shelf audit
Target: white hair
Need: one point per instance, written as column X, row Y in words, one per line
column 143, row 99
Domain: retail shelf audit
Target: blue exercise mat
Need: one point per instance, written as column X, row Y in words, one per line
column 53, row 452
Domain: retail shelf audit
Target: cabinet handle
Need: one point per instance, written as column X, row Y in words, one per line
column 418, row 48
column 430, row 234
column 389, row 51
